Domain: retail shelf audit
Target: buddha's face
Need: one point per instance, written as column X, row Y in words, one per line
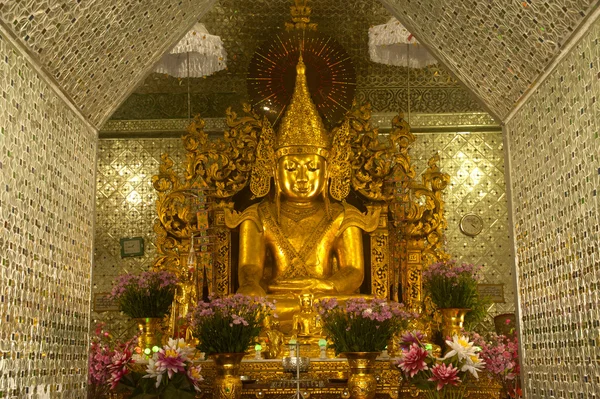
column 301, row 177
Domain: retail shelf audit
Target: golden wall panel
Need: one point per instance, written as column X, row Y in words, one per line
column 475, row 163
column 125, row 207
column 554, row 148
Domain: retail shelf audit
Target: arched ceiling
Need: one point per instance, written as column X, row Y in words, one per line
column 100, row 51
column 497, row 48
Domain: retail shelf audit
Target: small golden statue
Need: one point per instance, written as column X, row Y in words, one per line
column 306, row 324
column 299, row 240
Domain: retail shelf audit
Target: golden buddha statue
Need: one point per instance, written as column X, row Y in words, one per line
column 299, row 240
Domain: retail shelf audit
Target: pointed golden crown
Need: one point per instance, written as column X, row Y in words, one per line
column 302, row 130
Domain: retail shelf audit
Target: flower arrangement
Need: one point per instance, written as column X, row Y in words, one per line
column 148, row 294
column 361, row 325
column 103, row 348
column 501, row 356
column 440, row 378
column 453, row 285
column 170, row 373
column 230, row 324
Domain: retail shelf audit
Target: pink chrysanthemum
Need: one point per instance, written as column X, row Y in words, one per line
column 413, row 361
column 444, row 375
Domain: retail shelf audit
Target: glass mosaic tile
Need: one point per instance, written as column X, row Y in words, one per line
column 47, row 159
column 554, row 149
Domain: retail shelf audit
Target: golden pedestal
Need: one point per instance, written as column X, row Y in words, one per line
column 327, row 378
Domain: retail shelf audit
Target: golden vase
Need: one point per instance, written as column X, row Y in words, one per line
column 452, row 321
column 150, row 332
column 362, row 383
column 228, row 384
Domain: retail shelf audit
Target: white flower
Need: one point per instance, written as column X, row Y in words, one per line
column 461, row 347
column 181, row 347
column 473, row 364
column 153, row 372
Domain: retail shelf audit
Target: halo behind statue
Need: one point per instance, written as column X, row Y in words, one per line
column 329, row 71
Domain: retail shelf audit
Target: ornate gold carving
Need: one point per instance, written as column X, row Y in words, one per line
column 263, row 169
column 300, row 16
column 373, row 161
column 340, row 170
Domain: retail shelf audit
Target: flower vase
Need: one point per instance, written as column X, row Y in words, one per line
column 150, row 332
column 448, row 392
column 228, row 384
column 362, row 383
column 452, row 321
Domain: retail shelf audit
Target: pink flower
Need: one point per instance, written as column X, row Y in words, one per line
column 413, row 361
column 444, row 375
column 119, row 367
column 194, row 376
column 170, row 360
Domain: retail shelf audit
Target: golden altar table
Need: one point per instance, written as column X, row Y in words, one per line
column 326, row 379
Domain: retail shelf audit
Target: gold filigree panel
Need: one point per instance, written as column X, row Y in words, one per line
column 475, row 163
column 46, row 229
column 554, row 147
column 497, row 48
column 98, row 50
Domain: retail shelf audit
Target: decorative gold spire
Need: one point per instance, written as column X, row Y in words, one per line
column 300, row 17
column 302, row 130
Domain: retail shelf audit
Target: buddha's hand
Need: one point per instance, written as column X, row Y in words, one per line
column 251, row 289
column 313, row 285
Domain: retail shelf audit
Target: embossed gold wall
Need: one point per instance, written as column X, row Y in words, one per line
column 554, row 148
column 47, row 161
column 475, row 161
column 125, row 207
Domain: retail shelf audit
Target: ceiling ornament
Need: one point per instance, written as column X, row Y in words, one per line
column 198, row 54
column 393, row 44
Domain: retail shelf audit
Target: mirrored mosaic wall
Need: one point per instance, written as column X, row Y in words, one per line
column 496, row 47
column 554, row 148
column 125, row 204
column 47, row 160
column 98, row 50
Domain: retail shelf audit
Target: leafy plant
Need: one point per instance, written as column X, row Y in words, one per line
column 360, row 325
column 148, row 294
column 229, row 325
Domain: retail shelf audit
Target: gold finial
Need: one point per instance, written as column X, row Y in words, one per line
column 302, row 130
column 300, row 16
